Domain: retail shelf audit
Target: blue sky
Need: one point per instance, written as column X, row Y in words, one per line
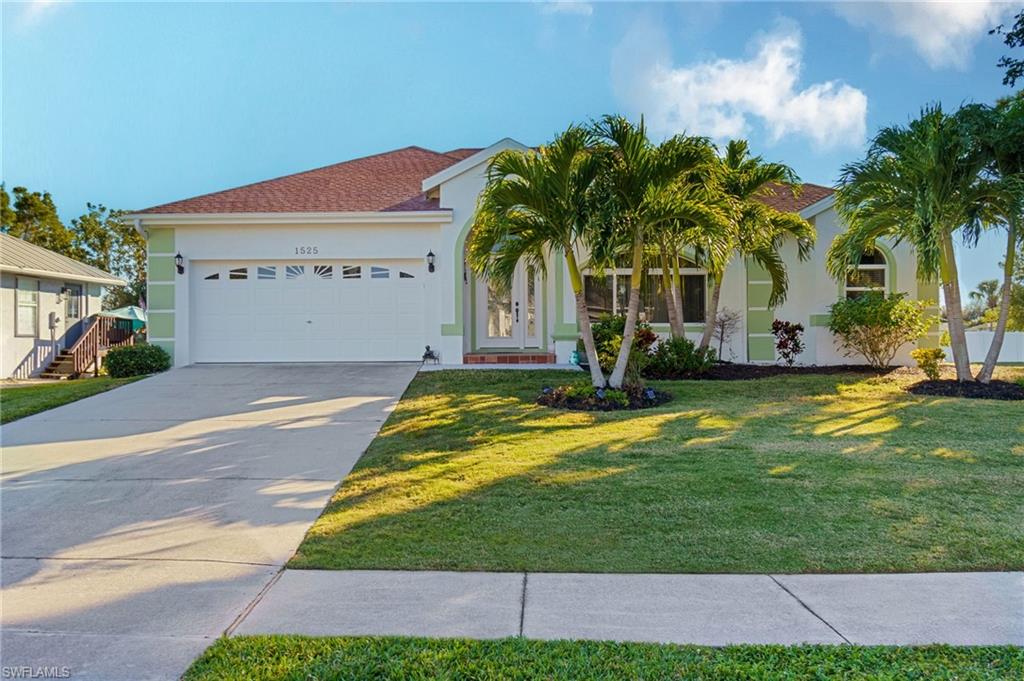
column 134, row 104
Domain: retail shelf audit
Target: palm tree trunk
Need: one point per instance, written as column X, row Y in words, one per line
column 985, row 374
column 677, row 294
column 632, row 312
column 954, row 311
column 674, row 321
column 583, row 319
column 712, row 315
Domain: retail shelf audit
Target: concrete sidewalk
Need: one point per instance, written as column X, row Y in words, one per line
column 982, row 608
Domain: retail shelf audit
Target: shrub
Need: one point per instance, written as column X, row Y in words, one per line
column 928, row 361
column 676, row 358
column 136, row 360
column 788, row 341
column 608, row 330
column 876, row 326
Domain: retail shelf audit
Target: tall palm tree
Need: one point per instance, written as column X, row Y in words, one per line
column 998, row 131
column 918, row 183
column 986, row 293
column 756, row 229
column 535, row 203
column 644, row 188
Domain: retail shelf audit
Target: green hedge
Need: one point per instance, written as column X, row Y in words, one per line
column 136, row 360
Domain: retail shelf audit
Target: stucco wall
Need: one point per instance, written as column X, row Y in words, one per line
column 24, row 357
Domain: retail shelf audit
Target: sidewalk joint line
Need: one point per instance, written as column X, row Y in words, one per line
column 522, row 606
column 249, row 608
column 808, row 608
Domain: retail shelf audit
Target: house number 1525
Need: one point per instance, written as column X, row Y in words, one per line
column 306, row 250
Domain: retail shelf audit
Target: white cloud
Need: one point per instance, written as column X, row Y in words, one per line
column 943, row 33
column 584, row 9
column 721, row 97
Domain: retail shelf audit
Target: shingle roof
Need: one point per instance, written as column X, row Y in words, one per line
column 19, row 256
column 390, row 181
column 787, row 200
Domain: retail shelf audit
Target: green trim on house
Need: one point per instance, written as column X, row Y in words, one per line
column 161, row 239
column 544, row 310
column 160, row 296
column 820, row 319
column 160, row 325
column 563, row 330
column 928, row 292
column 456, row 328
column 760, row 348
column 759, row 316
column 167, row 345
column 161, row 268
column 472, row 310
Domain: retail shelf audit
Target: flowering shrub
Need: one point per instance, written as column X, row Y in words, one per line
column 928, row 361
column 876, row 326
column 788, row 340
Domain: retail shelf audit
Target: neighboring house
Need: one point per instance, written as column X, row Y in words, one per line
column 46, row 297
column 365, row 260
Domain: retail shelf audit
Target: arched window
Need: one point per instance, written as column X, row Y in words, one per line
column 871, row 274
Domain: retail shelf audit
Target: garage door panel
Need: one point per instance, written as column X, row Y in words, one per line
column 307, row 311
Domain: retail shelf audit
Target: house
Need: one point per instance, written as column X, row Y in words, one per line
column 364, row 260
column 46, row 298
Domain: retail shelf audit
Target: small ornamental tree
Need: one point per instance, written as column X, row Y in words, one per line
column 875, row 326
column 788, row 340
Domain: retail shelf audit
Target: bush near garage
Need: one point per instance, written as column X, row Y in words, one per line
column 136, row 360
column 875, row 326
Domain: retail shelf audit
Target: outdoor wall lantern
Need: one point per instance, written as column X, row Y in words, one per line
column 179, row 262
column 430, row 261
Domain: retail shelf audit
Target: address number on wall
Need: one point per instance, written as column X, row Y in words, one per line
column 306, row 250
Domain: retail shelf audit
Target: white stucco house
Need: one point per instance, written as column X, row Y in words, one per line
column 364, row 261
column 46, row 298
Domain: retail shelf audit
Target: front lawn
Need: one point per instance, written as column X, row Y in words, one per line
column 19, row 401
column 299, row 658
column 839, row 473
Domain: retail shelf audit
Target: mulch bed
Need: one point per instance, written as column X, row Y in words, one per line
column 639, row 398
column 994, row 390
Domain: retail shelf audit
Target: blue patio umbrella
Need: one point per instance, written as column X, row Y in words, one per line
column 132, row 312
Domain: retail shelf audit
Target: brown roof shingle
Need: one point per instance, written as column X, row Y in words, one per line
column 391, row 181
column 786, row 199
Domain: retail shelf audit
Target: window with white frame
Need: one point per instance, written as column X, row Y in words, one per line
column 608, row 292
column 871, row 274
column 26, row 319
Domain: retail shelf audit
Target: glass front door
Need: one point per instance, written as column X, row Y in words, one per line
column 511, row 318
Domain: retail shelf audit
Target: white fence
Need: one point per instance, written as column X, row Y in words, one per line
column 978, row 343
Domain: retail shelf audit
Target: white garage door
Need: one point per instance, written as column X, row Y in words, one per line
column 307, row 311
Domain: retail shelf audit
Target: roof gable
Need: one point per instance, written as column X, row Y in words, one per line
column 798, row 201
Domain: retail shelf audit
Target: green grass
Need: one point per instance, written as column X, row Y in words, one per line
column 300, row 659
column 793, row 474
column 19, row 401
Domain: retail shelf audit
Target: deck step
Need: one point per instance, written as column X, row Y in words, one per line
column 509, row 358
column 51, row 374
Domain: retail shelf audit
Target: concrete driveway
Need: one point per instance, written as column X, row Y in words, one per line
column 139, row 524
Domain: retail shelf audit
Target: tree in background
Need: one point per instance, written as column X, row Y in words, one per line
column 921, row 183
column 1013, row 37
column 32, row 216
column 111, row 243
column 986, row 293
column 101, row 238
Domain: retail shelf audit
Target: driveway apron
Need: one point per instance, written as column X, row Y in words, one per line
column 138, row 524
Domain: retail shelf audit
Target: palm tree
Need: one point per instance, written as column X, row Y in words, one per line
column 535, row 204
column 645, row 187
column 986, row 293
column 921, row 184
column 998, row 131
column 756, row 229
